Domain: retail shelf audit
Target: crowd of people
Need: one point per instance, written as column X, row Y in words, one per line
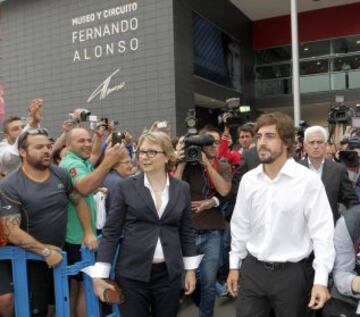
column 242, row 219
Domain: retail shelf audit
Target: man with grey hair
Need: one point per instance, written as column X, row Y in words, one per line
column 333, row 175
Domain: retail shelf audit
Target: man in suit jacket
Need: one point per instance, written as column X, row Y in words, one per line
column 333, row 175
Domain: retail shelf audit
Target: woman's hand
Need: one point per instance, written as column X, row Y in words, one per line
column 100, row 286
column 190, row 282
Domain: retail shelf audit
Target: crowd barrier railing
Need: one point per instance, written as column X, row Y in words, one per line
column 19, row 258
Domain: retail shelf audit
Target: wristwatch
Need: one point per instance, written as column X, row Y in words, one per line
column 46, row 252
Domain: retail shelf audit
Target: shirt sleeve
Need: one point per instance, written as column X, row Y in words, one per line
column 9, row 202
column 320, row 224
column 345, row 260
column 76, row 170
column 240, row 228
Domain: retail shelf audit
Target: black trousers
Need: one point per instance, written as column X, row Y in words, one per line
column 285, row 290
column 159, row 295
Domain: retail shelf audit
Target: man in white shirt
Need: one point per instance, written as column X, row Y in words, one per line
column 281, row 217
column 13, row 127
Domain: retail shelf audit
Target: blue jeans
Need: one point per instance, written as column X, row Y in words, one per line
column 209, row 244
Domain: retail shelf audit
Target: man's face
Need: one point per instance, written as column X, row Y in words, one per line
column 81, row 143
column 211, row 150
column 245, row 139
column 13, row 129
column 38, row 152
column 269, row 145
column 315, row 146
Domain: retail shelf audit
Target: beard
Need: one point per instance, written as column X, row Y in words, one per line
column 39, row 164
column 268, row 156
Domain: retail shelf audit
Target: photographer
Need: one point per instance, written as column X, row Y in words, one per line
column 209, row 180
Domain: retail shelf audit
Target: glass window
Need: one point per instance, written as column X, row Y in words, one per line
column 314, row 49
column 341, row 64
column 274, row 71
column 314, row 67
column 346, row 45
column 273, row 55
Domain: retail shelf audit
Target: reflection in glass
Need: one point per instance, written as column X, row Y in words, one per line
column 314, row 49
column 275, row 71
column 273, row 55
column 346, row 45
column 314, row 67
column 341, row 64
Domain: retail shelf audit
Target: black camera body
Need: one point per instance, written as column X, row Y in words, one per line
column 84, row 114
column 193, row 146
column 340, row 114
column 350, row 157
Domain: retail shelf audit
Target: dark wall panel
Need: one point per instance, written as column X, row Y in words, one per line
column 230, row 20
column 47, row 52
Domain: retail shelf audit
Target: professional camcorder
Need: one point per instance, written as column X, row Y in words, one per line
column 193, row 146
column 350, row 157
column 340, row 114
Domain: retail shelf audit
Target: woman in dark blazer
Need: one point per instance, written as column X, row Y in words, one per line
column 153, row 212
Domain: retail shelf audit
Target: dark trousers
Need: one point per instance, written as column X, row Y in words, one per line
column 285, row 289
column 160, row 295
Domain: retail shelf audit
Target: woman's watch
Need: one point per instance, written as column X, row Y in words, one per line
column 46, row 252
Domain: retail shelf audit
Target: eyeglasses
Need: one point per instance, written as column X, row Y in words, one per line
column 148, row 153
column 23, row 136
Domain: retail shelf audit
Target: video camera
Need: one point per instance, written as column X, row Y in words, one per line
column 350, row 157
column 340, row 114
column 83, row 116
column 192, row 141
column 193, row 146
column 235, row 112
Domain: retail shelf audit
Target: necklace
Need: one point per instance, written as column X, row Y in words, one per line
column 37, row 180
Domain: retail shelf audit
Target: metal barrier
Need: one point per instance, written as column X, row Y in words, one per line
column 19, row 257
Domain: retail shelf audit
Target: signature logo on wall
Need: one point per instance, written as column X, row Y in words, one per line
column 104, row 89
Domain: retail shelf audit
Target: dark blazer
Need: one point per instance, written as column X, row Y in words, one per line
column 134, row 214
column 337, row 185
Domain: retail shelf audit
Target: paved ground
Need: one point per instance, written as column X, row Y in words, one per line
column 224, row 307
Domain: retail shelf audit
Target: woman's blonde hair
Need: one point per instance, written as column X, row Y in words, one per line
column 162, row 139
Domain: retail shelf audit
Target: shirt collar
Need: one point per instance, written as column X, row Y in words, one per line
column 148, row 185
column 287, row 169
column 75, row 156
column 312, row 166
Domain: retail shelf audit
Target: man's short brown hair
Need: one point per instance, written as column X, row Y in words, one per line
column 246, row 128
column 8, row 120
column 284, row 126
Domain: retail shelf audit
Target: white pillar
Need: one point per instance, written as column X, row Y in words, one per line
column 295, row 62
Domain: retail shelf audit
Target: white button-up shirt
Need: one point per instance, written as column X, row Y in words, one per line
column 317, row 171
column 284, row 219
column 164, row 196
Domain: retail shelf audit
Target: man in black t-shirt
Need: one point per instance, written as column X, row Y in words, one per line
column 33, row 212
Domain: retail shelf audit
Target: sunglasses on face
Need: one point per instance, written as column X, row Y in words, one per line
column 23, row 136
